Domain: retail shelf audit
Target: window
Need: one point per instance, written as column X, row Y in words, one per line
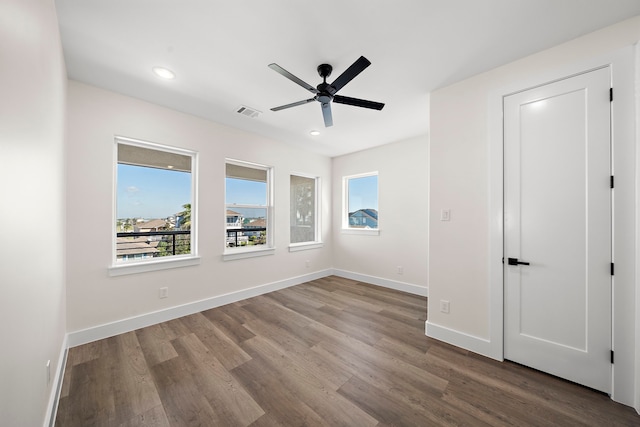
column 360, row 206
column 248, row 204
column 154, row 212
column 304, row 219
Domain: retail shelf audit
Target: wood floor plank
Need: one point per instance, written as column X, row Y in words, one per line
column 227, row 351
column 317, row 293
column 498, row 403
column 264, row 309
column 154, row 417
column 381, row 370
column 229, row 400
column 235, row 311
column 136, row 392
column 183, row 404
column 394, row 409
column 282, row 405
column 385, row 326
column 86, row 404
column 301, row 353
column 316, row 392
column 329, row 352
column 156, row 344
column 231, row 327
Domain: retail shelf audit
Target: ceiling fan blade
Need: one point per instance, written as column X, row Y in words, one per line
column 326, row 113
column 349, row 74
column 358, row 102
column 278, row 69
column 293, row 104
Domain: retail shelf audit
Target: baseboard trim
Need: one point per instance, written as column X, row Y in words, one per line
column 107, row 330
column 460, row 339
column 392, row 284
column 54, row 397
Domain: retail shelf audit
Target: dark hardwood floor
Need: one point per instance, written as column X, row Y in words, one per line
column 332, row 352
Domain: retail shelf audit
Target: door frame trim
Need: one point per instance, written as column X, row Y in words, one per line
column 623, row 141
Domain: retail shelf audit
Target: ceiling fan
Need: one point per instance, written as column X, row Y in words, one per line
column 325, row 92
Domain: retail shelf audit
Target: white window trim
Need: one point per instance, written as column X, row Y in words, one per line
column 345, row 207
column 317, row 243
column 305, row 246
column 162, row 263
column 361, row 231
column 230, row 254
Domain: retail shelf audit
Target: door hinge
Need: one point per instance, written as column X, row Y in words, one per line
column 612, row 269
column 610, row 94
column 611, row 181
column 612, row 357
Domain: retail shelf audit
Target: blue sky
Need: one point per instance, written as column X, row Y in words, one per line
column 363, row 193
column 242, row 191
column 151, row 193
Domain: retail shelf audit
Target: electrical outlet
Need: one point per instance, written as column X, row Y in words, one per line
column 164, row 292
column 400, row 270
column 307, row 264
column 444, row 306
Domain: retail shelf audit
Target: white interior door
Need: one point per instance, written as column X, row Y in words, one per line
column 557, row 219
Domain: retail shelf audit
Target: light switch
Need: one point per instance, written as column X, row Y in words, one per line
column 445, row 215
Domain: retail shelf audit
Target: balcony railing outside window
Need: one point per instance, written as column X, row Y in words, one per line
column 246, row 236
column 152, row 244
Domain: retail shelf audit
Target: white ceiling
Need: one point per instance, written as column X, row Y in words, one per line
column 220, row 50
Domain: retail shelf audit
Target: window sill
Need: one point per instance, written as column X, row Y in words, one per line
column 133, row 267
column 295, row 247
column 362, row 231
column 233, row 254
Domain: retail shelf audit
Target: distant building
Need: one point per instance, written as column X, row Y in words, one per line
column 258, row 224
column 153, row 225
column 234, row 221
column 364, row 218
column 135, row 248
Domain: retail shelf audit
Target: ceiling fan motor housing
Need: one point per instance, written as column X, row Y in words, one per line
column 324, row 70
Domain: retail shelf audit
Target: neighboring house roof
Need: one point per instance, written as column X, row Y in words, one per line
column 154, row 224
column 135, row 246
column 369, row 217
column 366, row 212
column 257, row 223
column 232, row 213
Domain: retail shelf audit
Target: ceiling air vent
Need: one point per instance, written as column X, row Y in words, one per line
column 248, row 111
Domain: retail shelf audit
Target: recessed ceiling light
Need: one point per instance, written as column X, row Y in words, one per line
column 164, row 73
column 315, row 132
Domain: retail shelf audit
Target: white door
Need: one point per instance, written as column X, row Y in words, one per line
column 557, row 219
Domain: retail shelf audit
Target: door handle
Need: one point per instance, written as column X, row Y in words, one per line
column 514, row 261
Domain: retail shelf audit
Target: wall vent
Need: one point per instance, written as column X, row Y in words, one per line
column 248, row 111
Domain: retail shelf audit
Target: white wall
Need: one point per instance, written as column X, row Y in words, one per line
column 402, row 207
column 94, row 298
column 32, row 306
column 466, row 178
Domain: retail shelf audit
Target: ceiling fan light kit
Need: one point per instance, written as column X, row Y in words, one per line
column 325, row 92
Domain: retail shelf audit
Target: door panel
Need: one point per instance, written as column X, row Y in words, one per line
column 558, row 218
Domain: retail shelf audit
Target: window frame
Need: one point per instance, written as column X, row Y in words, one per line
column 159, row 263
column 234, row 253
column 317, row 242
column 346, row 229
